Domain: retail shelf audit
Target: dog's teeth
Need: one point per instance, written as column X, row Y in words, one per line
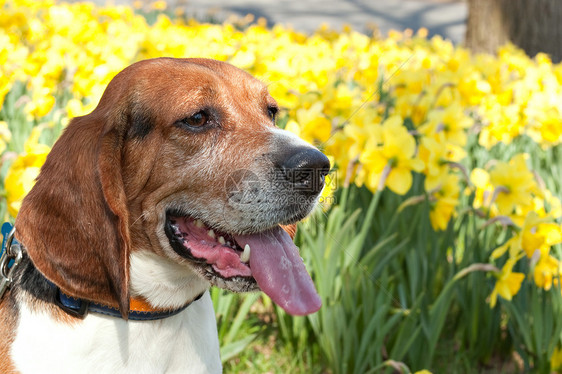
column 211, row 233
column 199, row 223
column 245, row 256
column 221, row 240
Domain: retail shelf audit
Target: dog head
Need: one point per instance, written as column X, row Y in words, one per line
column 181, row 159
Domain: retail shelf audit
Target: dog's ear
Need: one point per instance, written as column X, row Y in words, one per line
column 110, row 173
column 290, row 229
column 74, row 222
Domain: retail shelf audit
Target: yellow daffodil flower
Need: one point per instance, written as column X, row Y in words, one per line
column 434, row 155
column 446, row 197
column 547, row 269
column 394, row 150
column 514, row 184
column 537, row 236
column 451, row 122
column 23, row 172
column 315, row 127
column 508, row 283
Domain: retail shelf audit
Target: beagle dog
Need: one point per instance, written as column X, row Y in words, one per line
column 179, row 180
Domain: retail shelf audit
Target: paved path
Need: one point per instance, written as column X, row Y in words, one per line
column 443, row 17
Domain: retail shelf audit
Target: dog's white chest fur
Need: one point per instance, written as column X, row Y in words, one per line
column 184, row 343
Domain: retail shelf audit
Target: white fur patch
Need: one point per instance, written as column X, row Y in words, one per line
column 185, row 343
column 163, row 282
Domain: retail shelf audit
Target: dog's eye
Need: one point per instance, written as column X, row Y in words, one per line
column 199, row 119
column 272, row 112
column 196, row 121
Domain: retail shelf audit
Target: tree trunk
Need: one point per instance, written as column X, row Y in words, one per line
column 533, row 25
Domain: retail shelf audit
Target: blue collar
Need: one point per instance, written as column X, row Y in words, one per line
column 80, row 308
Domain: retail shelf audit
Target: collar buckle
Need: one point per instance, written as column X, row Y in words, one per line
column 11, row 255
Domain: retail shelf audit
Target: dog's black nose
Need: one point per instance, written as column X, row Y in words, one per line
column 306, row 169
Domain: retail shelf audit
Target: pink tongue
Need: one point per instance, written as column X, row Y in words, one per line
column 278, row 268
